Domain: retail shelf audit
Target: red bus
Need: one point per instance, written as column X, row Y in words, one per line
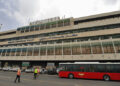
column 91, row 70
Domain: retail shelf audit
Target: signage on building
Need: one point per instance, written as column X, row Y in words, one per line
column 45, row 21
column 25, row 63
column 43, row 39
column 19, row 41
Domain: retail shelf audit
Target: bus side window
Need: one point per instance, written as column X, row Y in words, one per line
column 101, row 68
column 62, row 68
column 113, row 68
column 117, row 68
column 110, row 68
column 76, row 68
column 92, row 68
column 82, row 68
column 69, row 67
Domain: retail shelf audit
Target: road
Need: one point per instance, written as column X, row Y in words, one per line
column 7, row 79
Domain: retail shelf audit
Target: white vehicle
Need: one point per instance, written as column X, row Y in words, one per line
column 31, row 70
column 6, row 68
column 0, row 68
column 43, row 71
column 58, row 69
column 10, row 69
column 15, row 69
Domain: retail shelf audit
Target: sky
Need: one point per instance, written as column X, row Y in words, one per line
column 17, row 13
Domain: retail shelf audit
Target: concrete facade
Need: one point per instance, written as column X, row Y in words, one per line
column 92, row 38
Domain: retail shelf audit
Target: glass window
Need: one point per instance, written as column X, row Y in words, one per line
column 67, row 50
column 18, row 52
column 76, row 49
column 8, row 52
column 3, row 52
column 50, row 50
column 43, row 51
column 36, row 51
column 24, row 50
column 58, row 50
column 29, row 51
column 13, row 52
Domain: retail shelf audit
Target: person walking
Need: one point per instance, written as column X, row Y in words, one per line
column 35, row 73
column 18, row 76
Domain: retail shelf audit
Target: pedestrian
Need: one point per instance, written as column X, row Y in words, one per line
column 35, row 73
column 18, row 76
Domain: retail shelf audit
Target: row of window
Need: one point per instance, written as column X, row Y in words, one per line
column 111, row 68
column 60, row 23
column 65, row 32
column 70, row 49
column 97, row 19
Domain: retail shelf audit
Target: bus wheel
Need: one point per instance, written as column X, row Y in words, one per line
column 106, row 77
column 71, row 76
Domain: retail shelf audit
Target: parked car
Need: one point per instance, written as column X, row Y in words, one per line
column 10, row 69
column 30, row 70
column 0, row 68
column 43, row 71
column 15, row 69
column 52, row 71
column 6, row 68
column 57, row 70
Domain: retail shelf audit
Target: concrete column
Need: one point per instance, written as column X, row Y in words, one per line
column 34, row 27
column 80, row 48
column 91, row 47
column 39, row 49
column 62, row 49
column 39, row 27
column 26, row 51
column 63, row 23
column 5, row 52
column 113, row 46
column 44, row 26
column 56, row 23
column 46, row 49
column 21, row 52
column 101, row 46
column 29, row 28
column 15, row 52
column 10, row 52
column 33, row 51
column 71, row 48
column 54, row 48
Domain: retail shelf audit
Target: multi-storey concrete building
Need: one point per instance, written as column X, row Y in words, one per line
column 91, row 38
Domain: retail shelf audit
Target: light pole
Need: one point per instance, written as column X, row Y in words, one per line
column 0, row 26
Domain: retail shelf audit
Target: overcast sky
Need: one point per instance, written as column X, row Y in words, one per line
column 16, row 13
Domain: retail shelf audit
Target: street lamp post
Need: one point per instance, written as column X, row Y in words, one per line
column 0, row 26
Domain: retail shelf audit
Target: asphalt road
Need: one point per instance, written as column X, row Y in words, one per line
column 7, row 79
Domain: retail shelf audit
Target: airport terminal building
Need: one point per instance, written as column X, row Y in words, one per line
column 55, row 40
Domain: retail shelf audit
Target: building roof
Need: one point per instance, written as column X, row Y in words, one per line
column 9, row 31
column 98, row 15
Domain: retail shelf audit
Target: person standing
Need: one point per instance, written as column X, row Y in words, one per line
column 18, row 76
column 35, row 73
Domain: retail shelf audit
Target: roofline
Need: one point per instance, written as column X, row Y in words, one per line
column 8, row 31
column 97, row 15
column 89, row 63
